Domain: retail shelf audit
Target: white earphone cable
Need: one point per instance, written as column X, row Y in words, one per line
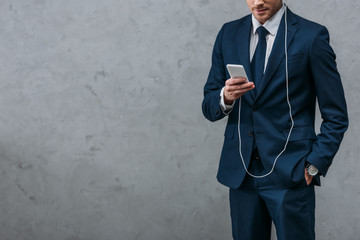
column 290, row 113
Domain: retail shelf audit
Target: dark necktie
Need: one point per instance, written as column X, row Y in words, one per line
column 258, row 61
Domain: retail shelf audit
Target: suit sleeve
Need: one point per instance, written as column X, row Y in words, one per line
column 215, row 82
column 331, row 102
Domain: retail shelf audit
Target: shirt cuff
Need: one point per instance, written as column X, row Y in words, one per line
column 226, row 109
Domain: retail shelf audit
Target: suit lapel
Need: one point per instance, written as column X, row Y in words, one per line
column 278, row 51
column 243, row 43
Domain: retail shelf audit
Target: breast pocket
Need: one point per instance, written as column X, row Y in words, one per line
column 295, row 57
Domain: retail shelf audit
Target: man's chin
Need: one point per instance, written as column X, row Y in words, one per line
column 261, row 19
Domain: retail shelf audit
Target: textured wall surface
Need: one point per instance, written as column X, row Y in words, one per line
column 102, row 135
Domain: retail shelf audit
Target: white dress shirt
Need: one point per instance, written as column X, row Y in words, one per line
column 272, row 25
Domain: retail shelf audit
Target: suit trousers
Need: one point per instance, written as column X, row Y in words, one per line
column 259, row 201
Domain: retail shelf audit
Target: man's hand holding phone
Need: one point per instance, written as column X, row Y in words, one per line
column 237, row 85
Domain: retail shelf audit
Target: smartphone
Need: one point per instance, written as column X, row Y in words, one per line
column 236, row 71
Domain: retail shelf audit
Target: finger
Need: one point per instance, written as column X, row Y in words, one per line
column 235, row 81
column 242, row 91
column 309, row 180
column 239, row 80
column 239, row 87
column 308, row 177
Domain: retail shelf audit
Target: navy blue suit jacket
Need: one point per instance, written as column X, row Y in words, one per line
column 312, row 75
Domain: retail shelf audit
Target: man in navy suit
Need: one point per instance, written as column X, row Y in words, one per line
column 272, row 157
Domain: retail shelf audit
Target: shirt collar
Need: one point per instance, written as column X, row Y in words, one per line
column 271, row 25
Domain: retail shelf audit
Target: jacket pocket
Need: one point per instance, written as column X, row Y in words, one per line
column 295, row 57
column 300, row 133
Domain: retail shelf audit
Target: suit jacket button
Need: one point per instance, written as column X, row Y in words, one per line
column 251, row 134
column 254, row 108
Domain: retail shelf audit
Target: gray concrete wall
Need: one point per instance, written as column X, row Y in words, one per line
column 102, row 135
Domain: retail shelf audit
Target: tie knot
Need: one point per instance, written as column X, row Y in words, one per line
column 262, row 32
